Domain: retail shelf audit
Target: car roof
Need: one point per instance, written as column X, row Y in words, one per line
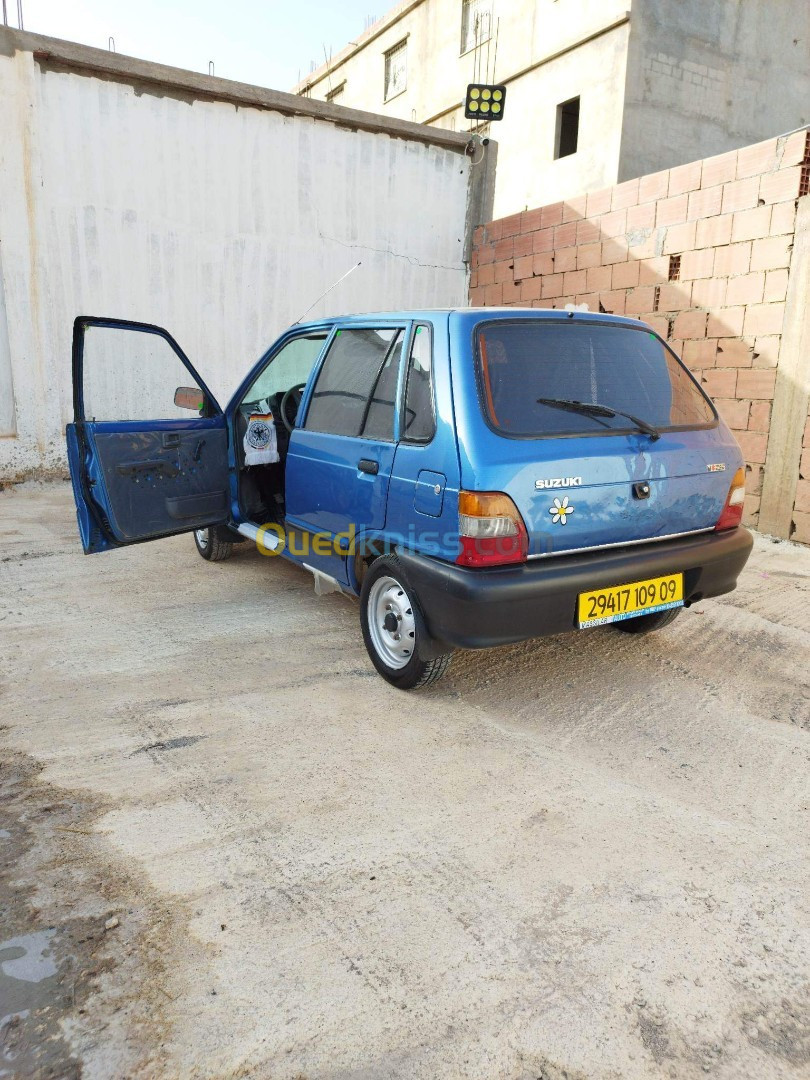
column 470, row 315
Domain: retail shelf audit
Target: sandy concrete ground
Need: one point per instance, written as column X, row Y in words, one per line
column 579, row 857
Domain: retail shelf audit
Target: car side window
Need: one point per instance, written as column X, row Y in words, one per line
column 290, row 366
column 131, row 375
column 355, row 393
column 419, row 419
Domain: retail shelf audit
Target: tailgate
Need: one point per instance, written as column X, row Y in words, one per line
column 620, row 490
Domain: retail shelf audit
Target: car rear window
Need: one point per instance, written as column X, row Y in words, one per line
column 620, row 367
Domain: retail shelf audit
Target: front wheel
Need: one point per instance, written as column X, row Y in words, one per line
column 393, row 628
column 645, row 624
column 210, row 544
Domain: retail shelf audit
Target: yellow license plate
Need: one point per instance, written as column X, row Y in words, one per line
column 628, row 601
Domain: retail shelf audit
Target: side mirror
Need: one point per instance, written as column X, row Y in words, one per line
column 189, row 397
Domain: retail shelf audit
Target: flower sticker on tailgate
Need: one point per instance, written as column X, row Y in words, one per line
column 560, row 510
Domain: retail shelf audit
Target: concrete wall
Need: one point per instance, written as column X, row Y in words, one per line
column 216, row 210
column 546, row 54
column 8, row 420
column 705, row 76
column 715, row 255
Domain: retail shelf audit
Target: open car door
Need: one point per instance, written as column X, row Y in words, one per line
column 148, row 448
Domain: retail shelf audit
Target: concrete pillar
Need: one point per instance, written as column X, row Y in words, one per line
column 8, row 415
column 482, row 192
column 792, row 390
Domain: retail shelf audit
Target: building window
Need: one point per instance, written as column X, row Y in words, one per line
column 567, row 135
column 476, row 23
column 335, row 95
column 396, row 70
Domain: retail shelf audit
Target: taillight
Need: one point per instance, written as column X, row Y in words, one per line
column 491, row 530
column 732, row 513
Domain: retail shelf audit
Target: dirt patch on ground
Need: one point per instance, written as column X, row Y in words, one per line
column 83, row 953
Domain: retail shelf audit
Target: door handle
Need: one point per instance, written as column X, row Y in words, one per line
column 170, row 438
column 132, row 468
column 366, row 465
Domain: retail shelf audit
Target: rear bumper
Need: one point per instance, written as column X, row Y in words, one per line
column 475, row 609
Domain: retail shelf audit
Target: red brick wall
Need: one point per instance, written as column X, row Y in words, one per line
column 700, row 252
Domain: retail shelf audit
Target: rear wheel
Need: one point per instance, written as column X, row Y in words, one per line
column 211, row 545
column 393, row 627
column 645, row 624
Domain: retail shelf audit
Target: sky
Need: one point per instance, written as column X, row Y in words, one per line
column 266, row 42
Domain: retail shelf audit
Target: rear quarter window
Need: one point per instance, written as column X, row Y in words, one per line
column 419, row 421
column 620, row 367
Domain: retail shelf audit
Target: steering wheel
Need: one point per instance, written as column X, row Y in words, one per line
column 294, row 394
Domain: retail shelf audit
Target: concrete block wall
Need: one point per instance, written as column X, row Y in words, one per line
column 704, row 253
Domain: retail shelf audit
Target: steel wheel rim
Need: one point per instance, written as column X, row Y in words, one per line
column 201, row 536
column 391, row 623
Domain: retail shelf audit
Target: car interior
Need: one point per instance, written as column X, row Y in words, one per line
column 275, row 392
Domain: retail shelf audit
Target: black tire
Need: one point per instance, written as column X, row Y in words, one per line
column 385, row 575
column 211, row 545
column 645, row 624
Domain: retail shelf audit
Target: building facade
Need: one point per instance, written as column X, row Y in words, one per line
column 598, row 91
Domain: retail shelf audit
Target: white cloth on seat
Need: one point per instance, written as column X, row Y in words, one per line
column 260, row 443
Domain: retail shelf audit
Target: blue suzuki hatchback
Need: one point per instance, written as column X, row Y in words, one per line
column 475, row 477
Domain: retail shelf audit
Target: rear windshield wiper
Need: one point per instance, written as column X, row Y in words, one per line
column 593, row 409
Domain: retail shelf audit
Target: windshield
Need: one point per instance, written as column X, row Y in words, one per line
column 618, row 367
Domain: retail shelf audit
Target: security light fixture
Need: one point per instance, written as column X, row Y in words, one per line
column 485, row 101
